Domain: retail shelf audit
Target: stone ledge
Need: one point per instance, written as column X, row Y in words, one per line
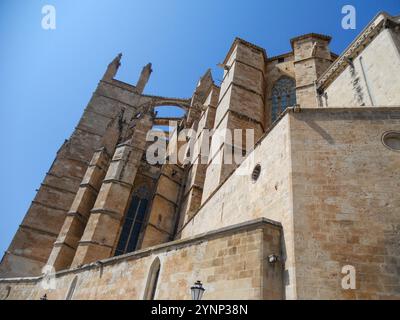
column 352, row 109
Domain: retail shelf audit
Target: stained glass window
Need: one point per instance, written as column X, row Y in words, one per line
column 132, row 226
column 283, row 96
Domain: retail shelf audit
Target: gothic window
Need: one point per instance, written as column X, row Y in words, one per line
column 152, row 280
column 133, row 222
column 283, row 96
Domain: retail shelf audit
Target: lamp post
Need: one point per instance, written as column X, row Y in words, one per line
column 197, row 290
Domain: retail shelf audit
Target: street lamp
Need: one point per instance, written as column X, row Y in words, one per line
column 197, row 290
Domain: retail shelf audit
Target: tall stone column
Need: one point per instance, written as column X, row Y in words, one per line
column 144, row 78
column 71, row 232
column 240, row 106
column 311, row 58
column 192, row 194
column 112, row 68
column 163, row 212
column 106, row 217
column 199, row 97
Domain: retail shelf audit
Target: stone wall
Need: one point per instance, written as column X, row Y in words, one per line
column 346, row 202
column 240, row 199
column 326, row 176
column 231, row 263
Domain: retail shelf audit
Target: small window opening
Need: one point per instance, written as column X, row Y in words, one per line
column 391, row 140
column 152, row 280
column 256, row 172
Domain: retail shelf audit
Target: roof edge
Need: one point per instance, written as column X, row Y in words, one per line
column 311, row 35
column 352, row 50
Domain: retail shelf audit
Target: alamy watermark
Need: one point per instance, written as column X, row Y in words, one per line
column 349, row 280
column 349, row 19
column 49, row 17
column 227, row 146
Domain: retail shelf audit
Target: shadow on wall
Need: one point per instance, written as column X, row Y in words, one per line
column 316, row 127
column 71, row 289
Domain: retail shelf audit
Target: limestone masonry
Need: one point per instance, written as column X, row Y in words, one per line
column 318, row 191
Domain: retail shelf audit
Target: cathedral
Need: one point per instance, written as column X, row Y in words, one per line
column 280, row 182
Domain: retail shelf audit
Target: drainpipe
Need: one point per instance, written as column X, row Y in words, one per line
column 366, row 82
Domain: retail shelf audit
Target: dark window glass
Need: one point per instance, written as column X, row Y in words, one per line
column 132, row 226
column 283, row 96
column 142, row 210
column 133, row 207
column 134, row 238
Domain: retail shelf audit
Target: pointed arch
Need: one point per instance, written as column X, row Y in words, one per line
column 283, row 96
column 152, row 280
column 71, row 289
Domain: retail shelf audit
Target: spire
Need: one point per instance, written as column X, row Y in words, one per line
column 113, row 68
column 203, row 86
column 206, row 79
column 144, row 77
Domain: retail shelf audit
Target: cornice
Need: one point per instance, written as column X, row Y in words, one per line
column 381, row 21
column 310, row 35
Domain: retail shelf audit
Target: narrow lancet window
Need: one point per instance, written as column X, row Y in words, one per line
column 133, row 223
column 152, row 280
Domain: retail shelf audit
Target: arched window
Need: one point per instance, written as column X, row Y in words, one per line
column 133, row 222
column 71, row 289
column 152, row 279
column 283, row 96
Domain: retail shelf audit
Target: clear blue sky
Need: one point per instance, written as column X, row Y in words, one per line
column 47, row 77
